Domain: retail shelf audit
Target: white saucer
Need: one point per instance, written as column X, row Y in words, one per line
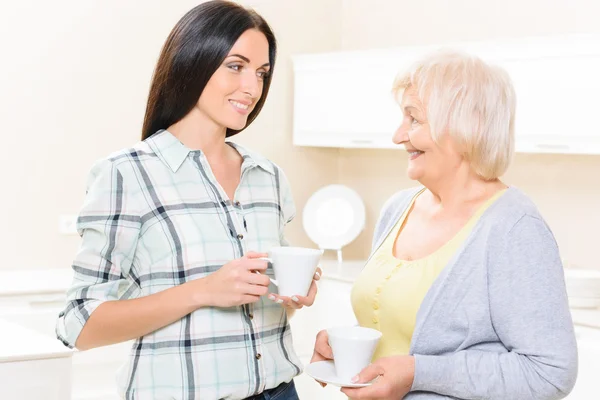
column 324, row 371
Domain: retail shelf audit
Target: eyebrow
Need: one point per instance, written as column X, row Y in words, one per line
column 246, row 59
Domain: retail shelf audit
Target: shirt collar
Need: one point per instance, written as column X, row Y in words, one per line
column 169, row 149
column 173, row 153
column 252, row 159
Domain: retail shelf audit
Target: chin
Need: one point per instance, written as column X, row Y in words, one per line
column 237, row 124
column 414, row 175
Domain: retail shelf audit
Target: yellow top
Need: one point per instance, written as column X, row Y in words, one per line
column 388, row 293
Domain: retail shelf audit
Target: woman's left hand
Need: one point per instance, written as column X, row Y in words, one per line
column 297, row 302
column 396, row 376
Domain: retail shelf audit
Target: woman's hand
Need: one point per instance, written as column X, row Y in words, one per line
column 396, row 375
column 322, row 351
column 297, row 302
column 235, row 283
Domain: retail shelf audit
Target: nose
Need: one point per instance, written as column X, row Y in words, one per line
column 251, row 85
column 401, row 134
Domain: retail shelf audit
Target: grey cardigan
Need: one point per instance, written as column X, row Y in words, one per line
column 496, row 323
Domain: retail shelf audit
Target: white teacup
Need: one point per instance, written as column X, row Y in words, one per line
column 294, row 269
column 353, row 348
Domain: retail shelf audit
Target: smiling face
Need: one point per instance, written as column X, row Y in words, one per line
column 428, row 161
column 236, row 86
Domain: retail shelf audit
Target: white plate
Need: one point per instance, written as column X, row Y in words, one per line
column 334, row 216
column 324, row 371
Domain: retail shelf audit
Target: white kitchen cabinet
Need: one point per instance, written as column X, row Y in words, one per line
column 343, row 99
column 33, row 300
column 588, row 343
column 32, row 365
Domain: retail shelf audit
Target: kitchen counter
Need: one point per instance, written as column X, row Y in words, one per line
column 586, row 317
column 23, row 344
column 33, row 366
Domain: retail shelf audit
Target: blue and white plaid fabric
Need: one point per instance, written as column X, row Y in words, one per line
column 155, row 217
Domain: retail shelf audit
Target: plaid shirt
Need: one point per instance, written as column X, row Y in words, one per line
column 155, row 217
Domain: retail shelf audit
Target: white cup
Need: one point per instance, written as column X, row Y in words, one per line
column 294, row 269
column 353, row 348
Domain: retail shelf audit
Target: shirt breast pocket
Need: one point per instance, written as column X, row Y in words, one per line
column 263, row 227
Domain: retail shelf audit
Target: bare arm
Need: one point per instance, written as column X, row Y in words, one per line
column 120, row 320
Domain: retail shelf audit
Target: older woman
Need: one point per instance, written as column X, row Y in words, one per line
column 465, row 280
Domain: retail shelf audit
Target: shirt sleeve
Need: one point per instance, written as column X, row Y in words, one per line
column 109, row 229
column 530, row 314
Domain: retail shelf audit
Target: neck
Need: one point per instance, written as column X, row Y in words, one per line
column 464, row 186
column 198, row 132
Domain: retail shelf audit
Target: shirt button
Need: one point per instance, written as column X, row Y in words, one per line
column 251, row 316
column 378, row 290
column 375, row 320
column 258, row 356
column 240, row 236
column 375, row 305
column 237, row 203
column 388, row 277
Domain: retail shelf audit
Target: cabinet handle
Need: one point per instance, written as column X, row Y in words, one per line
column 548, row 146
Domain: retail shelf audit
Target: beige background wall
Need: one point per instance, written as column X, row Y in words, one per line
column 74, row 79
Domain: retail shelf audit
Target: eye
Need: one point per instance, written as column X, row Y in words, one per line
column 413, row 121
column 235, row 67
column 262, row 75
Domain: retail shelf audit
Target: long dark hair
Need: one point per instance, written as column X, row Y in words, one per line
column 194, row 50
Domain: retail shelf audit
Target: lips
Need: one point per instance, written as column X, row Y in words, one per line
column 240, row 105
column 414, row 153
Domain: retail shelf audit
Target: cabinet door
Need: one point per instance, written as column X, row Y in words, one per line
column 588, row 343
column 93, row 372
column 48, row 379
column 557, row 87
column 345, row 99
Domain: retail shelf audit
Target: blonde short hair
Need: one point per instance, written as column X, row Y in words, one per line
column 471, row 101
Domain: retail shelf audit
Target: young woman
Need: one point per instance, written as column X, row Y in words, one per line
column 174, row 228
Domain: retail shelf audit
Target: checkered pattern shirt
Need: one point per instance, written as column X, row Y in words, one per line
column 155, row 217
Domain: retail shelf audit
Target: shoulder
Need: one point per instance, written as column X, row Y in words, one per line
column 127, row 156
column 120, row 163
column 514, row 225
column 515, row 209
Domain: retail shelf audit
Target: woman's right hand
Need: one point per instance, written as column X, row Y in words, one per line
column 237, row 283
column 322, row 350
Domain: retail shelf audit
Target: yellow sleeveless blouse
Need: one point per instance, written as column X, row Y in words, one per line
column 388, row 293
